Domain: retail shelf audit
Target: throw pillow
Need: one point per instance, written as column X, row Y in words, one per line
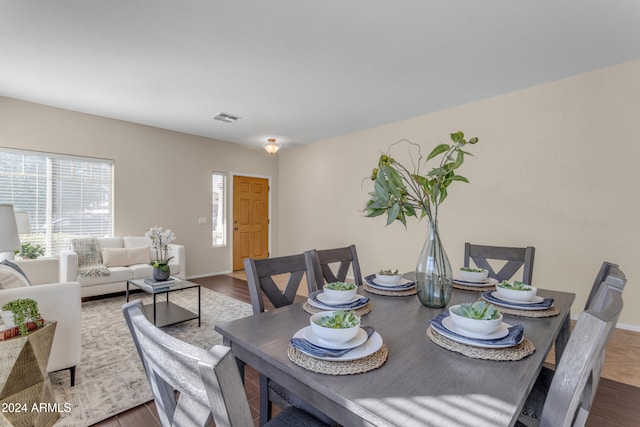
column 139, row 255
column 10, row 278
column 124, row 257
column 17, row 268
column 115, row 257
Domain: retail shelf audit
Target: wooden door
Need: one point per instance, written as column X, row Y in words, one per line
column 250, row 219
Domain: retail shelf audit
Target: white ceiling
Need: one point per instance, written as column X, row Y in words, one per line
column 298, row 70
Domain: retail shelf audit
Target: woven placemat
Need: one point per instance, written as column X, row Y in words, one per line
column 360, row 311
column 408, row 292
column 358, row 366
column 474, row 288
column 550, row 312
column 518, row 352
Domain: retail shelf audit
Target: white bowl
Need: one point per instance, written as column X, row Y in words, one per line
column 517, row 295
column 474, row 325
column 473, row 276
column 332, row 335
column 388, row 279
column 342, row 296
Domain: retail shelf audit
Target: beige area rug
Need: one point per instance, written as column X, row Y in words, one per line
column 110, row 378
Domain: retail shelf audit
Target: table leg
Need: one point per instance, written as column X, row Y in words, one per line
column 199, row 317
column 562, row 338
column 154, row 309
column 127, row 292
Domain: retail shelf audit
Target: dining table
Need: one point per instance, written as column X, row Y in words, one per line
column 420, row 383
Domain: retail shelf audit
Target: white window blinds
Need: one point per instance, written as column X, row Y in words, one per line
column 65, row 196
column 219, row 217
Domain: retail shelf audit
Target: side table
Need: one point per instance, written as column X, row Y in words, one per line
column 26, row 396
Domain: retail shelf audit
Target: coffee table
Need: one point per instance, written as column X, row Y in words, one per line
column 165, row 313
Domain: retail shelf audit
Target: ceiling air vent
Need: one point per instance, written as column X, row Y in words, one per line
column 227, row 118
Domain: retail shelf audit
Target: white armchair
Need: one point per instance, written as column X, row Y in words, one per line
column 56, row 301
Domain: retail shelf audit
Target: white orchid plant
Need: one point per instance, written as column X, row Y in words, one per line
column 160, row 240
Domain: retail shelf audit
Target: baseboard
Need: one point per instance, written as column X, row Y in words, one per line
column 199, row 276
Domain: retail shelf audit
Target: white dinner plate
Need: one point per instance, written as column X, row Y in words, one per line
column 489, row 282
column 473, row 343
column 501, row 332
column 359, row 339
column 365, row 349
column 519, row 306
column 387, row 285
column 391, row 288
column 323, row 299
column 322, row 306
column 536, row 300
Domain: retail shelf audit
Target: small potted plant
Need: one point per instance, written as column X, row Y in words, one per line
column 30, row 251
column 160, row 240
column 20, row 312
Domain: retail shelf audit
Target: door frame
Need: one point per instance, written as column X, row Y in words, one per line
column 230, row 222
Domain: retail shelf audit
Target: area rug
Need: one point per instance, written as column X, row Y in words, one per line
column 110, row 378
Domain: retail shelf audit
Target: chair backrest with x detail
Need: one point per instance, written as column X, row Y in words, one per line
column 208, row 380
column 260, row 274
column 515, row 258
column 320, row 264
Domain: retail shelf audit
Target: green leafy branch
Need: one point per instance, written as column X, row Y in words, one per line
column 400, row 192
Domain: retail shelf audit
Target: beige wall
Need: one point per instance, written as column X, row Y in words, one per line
column 161, row 177
column 557, row 167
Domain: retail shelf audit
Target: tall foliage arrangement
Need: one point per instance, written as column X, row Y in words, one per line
column 402, row 192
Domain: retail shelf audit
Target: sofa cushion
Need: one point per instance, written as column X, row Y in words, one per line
column 17, row 268
column 138, row 241
column 141, row 271
column 10, row 278
column 118, row 274
column 123, row 257
column 110, row 242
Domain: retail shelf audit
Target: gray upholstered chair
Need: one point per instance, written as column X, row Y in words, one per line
column 563, row 397
column 208, row 380
column 260, row 273
column 515, row 259
column 320, row 264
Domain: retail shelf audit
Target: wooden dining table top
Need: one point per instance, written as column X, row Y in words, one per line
column 420, row 383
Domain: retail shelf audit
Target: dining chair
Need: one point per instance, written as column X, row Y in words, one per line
column 598, row 284
column 260, row 278
column 321, row 265
column 515, row 259
column 563, row 397
column 208, row 381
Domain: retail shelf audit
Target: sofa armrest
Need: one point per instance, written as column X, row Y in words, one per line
column 60, row 302
column 68, row 265
column 41, row 270
column 178, row 254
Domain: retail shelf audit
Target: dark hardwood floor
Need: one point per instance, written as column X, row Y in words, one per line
column 616, row 404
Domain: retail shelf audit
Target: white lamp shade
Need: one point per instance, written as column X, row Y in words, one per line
column 9, row 239
column 23, row 222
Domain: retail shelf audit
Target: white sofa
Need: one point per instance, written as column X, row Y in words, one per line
column 56, row 301
column 117, row 279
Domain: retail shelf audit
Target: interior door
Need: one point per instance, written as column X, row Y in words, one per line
column 250, row 219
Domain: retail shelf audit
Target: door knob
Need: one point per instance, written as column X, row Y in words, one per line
column 235, row 228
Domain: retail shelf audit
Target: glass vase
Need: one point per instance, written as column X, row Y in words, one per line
column 433, row 271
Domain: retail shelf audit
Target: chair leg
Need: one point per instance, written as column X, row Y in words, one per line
column 72, row 374
column 265, row 403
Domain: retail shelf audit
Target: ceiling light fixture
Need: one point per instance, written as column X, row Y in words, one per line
column 272, row 146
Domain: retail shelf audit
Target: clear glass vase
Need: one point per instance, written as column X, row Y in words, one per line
column 433, row 271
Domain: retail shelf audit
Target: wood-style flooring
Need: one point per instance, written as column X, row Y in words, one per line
column 616, row 403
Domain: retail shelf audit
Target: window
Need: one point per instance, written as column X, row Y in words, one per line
column 219, row 216
column 65, row 196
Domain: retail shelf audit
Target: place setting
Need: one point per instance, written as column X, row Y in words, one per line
column 389, row 283
column 520, row 299
column 336, row 343
column 477, row 330
column 335, row 296
column 474, row 279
